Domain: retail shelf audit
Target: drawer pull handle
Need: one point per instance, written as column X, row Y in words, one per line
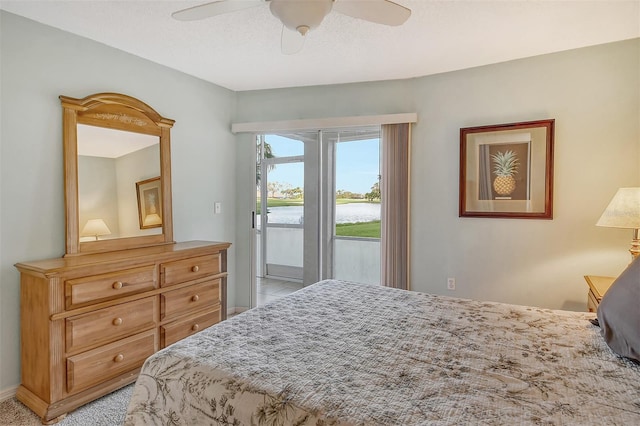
column 195, row 327
column 118, row 358
column 195, row 298
column 117, row 321
column 195, row 268
column 117, row 285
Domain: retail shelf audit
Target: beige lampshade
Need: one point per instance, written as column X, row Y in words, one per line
column 623, row 211
column 95, row 228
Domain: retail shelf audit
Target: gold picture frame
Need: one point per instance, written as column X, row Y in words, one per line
column 506, row 170
column 149, row 203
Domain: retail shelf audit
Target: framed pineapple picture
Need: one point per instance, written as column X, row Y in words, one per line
column 506, row 170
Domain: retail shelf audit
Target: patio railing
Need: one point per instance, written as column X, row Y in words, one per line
column 355, row 259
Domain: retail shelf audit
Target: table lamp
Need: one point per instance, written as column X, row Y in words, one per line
column 624, row 212
column 95, row 228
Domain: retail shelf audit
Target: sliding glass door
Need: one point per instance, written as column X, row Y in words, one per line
column 318, row 206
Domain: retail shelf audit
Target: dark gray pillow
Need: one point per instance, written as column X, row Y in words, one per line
column 619, row 313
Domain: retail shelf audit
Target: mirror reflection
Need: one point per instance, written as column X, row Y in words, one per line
column 118, row 184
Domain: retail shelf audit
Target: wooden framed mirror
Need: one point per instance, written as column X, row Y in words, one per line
column 117, row 173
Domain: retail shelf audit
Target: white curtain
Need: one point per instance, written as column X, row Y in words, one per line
column 394, row 190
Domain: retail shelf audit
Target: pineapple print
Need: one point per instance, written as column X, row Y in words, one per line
column 505, row 165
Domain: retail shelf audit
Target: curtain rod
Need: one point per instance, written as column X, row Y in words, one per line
column 323, row 123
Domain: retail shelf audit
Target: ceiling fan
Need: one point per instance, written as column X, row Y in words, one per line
column 300, row 16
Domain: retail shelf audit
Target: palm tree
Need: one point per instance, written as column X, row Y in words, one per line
column 375, row 192
column 268, row 153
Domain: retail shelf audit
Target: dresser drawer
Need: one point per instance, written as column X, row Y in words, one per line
column 108, row 324
column 93, row 367
column 97, row 288
column 178, row 330
column 189, row 299
column 189, row 269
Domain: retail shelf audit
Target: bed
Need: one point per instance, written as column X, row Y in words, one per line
column 339, row 353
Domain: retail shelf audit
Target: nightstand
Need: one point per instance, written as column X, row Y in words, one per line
column 598, row 286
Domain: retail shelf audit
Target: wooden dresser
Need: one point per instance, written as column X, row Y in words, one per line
column 89, row 322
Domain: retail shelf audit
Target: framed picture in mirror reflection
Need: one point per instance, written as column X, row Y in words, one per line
column 149, row 203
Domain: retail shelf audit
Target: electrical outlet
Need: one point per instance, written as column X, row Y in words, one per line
column 451, row 283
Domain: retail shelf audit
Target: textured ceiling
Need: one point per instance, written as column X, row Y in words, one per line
column 241, row 50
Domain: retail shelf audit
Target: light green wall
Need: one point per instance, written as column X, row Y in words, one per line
column 594, row 96
column 98, row 192
column 39, row 63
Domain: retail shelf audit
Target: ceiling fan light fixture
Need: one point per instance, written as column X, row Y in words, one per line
column 300, row 15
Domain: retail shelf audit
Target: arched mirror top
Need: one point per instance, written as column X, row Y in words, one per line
column 117, row 174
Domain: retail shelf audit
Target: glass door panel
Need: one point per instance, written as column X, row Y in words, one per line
column 280, row 207
column 357, row 207
column 285, row 220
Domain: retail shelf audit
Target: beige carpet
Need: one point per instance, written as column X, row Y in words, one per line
column 106, row 411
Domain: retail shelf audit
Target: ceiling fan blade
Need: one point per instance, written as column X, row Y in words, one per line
column 378, row 11
column 291, row 42
column 214, row 8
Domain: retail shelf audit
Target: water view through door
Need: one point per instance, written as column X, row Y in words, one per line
column 356, row 238
column 317, row 210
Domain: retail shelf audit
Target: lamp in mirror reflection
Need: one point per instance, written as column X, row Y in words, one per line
column 95, row 228
column 151, row 220
column 624, row 212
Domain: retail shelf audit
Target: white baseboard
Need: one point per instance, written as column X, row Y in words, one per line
column 236, row 310
column 8, row 393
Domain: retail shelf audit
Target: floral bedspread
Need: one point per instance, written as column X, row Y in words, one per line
column 338, row 353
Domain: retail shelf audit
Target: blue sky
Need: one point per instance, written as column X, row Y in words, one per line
column 357, row 164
